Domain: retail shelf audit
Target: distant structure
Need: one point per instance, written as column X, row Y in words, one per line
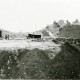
column 0, row 34
column 7, row 37
column 3, row 35
column 34, row 36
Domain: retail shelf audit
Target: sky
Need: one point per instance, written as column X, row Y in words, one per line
column 32, row 15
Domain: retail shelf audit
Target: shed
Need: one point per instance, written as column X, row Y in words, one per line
column 34, row 36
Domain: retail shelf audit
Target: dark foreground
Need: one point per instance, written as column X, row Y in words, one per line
column 36, row 64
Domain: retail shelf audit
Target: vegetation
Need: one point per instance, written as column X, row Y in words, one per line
column 66, row 64
column 36, row 63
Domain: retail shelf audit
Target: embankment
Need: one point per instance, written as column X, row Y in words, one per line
column 37, row 64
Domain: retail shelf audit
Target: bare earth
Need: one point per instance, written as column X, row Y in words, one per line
column 16, row 44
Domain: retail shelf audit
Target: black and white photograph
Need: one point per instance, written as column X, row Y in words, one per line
column 40, row 39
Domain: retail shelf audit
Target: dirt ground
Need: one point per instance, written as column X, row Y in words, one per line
column 16, row 44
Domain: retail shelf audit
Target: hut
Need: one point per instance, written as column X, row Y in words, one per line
column 34, row 36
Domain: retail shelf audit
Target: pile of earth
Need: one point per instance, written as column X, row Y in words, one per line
column 37, row 64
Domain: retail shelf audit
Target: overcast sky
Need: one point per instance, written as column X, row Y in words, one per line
column 31, row 15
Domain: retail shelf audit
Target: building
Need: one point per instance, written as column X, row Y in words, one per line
column 34, row 36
